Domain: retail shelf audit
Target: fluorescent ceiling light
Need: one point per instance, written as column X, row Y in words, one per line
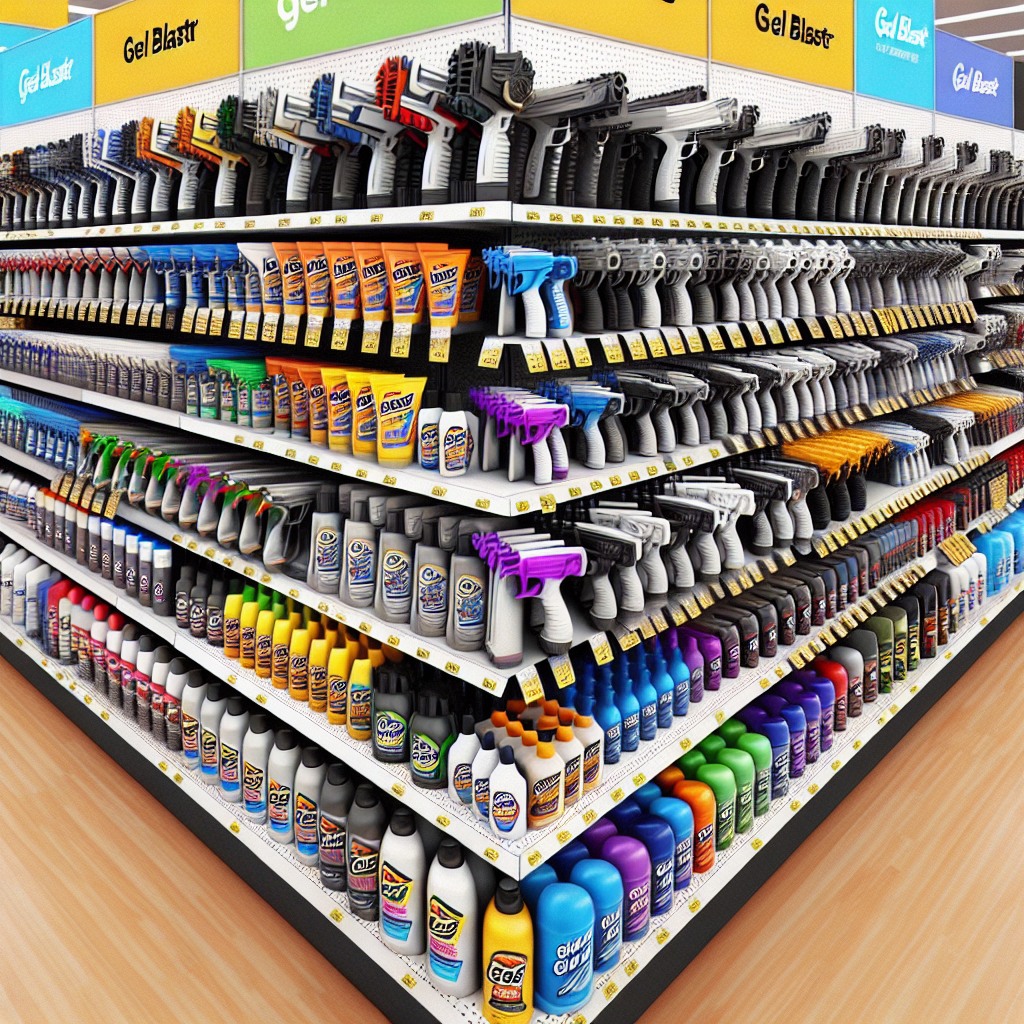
column 1014, row 53
column 996, row 12
column 995, row 35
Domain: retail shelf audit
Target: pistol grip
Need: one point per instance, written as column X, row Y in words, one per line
column 556, row 633
column 737, row 184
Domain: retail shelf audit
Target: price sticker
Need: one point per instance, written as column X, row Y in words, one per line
column 757, row 337
column 612, row 348
column 270, row 322
column 339, row 334
column 602, row 648
column 533, row 351
column 371, row 337
column 401, row 338
column 656, row 344
column 581, row 353
column 635, row 346
column 530, row 684
column 188, row 319
column 440, row 344
column 217, row 322
column 236, row 324
column 558, row 354
column 714, row 338
column 735, row 335
column 490, row 353
column 774, row 333
column 314, row 328
column 561, row 669
column 674, row 340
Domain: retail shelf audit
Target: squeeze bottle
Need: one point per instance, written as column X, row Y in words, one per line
column 403, row 880
column 647, row 697
column 657, row 836
column 701, row 800
column 360, row 699
column 609, row 718
column 432, row 736
column 281, row 765
column 564, row 948
column 309, row 780
column 461, row 756
column 391, row 710
column 339, row 665
column 335, row 801
column 256, row 747
column 775, row 729
column 760, row 751
column 677, row 814
column 484, row 763
column 177, row 677
column 281, row 641
column 741, row 764
column 508, row 957
column 592, row 738
column 630, row 858
column 233, row 727
column 545, row 780
column 365, row 830
column 247, row 634
column 453, row 928
column 507, row 788
column 570, row 750
column 604, row 884
column 265, row 622
column 646, row 794
column 629, row 707
column 192, row 698
column 210, row 715
column 298, row 664
column 534, row 884
column 624, row 813
column 723, row 784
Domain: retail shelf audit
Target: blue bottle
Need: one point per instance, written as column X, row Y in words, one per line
column 797, row 722
column 608, row 716
column 647, row 793
column 563, row 936
column 664, row 687
column 604, row 883
column 657, row 835
column 629, row 707
column 680, row 673
column 1015, row 530
column 679, row 817
column 647, row 698
column 584, row 685
column 776, row 730
column 534, row 884
column 623, row 814
column 567, row 858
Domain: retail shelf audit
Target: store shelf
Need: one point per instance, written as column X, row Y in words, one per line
column 690, row 906
column 490, row 215
column 30, row 462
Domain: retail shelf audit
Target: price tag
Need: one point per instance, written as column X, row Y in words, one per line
column 612, row 348
column 714, row 338
column 401, row 340
column 581, row 353
column 314, row 328
column 815, row 328
column 908, row 312
column 735, row 336
column 774, row 333
column 270, row 322
column 694, row 341
column 534, row 354
column 290, row 329
column 846, row 324
column 188, row 319
column 602, row 648
column 371, row 337
column 236, row 324
column 691, row 605
column 901, row 318
column 792, row 330
column 655, row 343
column 636, row 347
column 530, row 684
column 757, row 337
column 561, row 669
column 217, row 322
column 339, row 334
column 858, row 323
column 490, row 353
column 131, row 315
column 871, row 325
column 558, row 354
column 834, row 326
column 674, row 340
column 440, row 344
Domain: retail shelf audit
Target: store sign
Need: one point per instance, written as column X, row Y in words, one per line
column 681, row 27
column 282, row 30
column 972, row 81
column 896, row 50
column 811, row 41
column 12, row 35
column 37, row 13
column 153, row 45
column 51, row 74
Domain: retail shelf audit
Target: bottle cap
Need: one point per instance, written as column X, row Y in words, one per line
column 545, row 750
column 564, row 734
column 337, row 775
column 430, row 400
column 566, row 716
column 468, row 725
column 499, row 719
column 312, row 757
column 529, row 738
column 259, row 722
column 449, row 854
column 195, row 675
column 286, row 739
column 403, row 822
column 506, row 755
column 327, row 498
column 508, row 897
column 515, row 729
column 454, row 402
column 366, row 796
column 215, row 691
column 236, row 705
column 487, row 741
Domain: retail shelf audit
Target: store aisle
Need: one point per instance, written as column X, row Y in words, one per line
column 110, row 910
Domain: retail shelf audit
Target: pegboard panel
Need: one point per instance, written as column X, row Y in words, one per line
column 165, row 105
column 44, row 130
column 360, row 64
column 916, row 121
column 961, row 129
column 781, row 99
column 561, row 56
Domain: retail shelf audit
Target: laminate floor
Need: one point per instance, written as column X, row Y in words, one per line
column 904, row 906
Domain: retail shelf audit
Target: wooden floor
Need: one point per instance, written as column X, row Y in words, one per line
column 905, row 906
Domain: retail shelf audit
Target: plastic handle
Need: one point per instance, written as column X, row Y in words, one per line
column 559, row 455
column 849, row 190
column 682, row 308
column 559, row 315
column 703, row 304
column 737, row 184
column 828, row 197
column 708, row 556
column 655, row 576
column 604, row 607
column 300, row 175
column 650, row 305
column 803, row 528
column 806, row 206
column 589, row 151
column 663, row 429
column 543, row 464
column 557, row 629
column 689, row 427
column 790, row 302
column 729, row 303
column 536, row 315
column 666, row 185
column 226, row 187
column 762, row 537
column 614, row 439
column 730, row 545
column 346, row 178
column 647, row 438
column 591, row 310
column 437, row 160
column 595, row 447
column 493, row 156
column 631, row 590
column 381, row 179
column 681, row 567
column 707, row 179
column 781, row 521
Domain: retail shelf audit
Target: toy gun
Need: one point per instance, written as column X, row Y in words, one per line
column 803, row 479
column 717, row 147
column 545, row 125
column 166, row 170
column 595, row 259
column 642, row 394
column 771, row 491
column 610, row 549
column 758, row 159
column 976, row 212
column 807, row 169
column 915, row 203
column 686, row 517
column 197, row 137
column 725, row 547
column 682, row 260
column 581, row 183
column 883, row 191
column 653, row 532
column 488, row 88
column 352, row 149
column 851, row 194
column 412, row 95
column 236, row 119
column 691, row 392
column 589, row 403
column 641, row 266
column 286, row 122
column 967, row 160
column 106, row 156
column 163, row 144
column 536, row 275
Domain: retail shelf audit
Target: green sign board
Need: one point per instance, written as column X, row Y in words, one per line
column 282, row 30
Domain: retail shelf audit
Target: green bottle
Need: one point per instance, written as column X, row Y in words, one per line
column 722, row 783
column 731, row 730
column 760, row 749
column 690, row 762
column 711, row 745
column 741, row 764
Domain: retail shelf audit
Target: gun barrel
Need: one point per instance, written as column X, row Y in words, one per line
column 577, row 99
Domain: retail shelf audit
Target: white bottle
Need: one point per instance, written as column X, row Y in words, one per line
column 527, row 750
column 427, row 447
column 570, row 750
column 453, row 437
column 591, row 736
column 7, row 579
column 256, row 747
column 545, row 787
column 403, row 885
column 309, row 780
column 460, row 763
column 324, row 572
column 281, row 766
column 174, row 693
column 484, row 763
column 33, row 581
column 453, row 923
column 210, row 714
column 233, row 727
column 507, row 810
column 21, row 571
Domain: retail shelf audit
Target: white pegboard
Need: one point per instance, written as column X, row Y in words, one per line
column 781, row 99
column 44, row 130
column 961, row 129
column 360, row 64
column 561, row 56
column 165, row 105
column 915, row 121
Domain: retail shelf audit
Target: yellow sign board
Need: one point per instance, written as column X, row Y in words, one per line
column 681, row 27
column 153, row 45
column 812, row 41
column 38, row 13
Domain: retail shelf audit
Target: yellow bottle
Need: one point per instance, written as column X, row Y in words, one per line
column 250, row 613
column 318, row 655
column 508, row 957
column 391, row 653
column 339, row 665
column 232, row 625
column 374, row 652
column 360, row 692
column 282, row 645
column 264, row 643
column 315, row 629
column 295, row 614
column 298, row 665
column 330, row 634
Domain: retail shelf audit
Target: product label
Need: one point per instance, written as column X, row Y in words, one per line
column 332, row 845
column 362, row 873
column 337, row 695
column 426, row 757
column 591, row 765
column 278, row 798
column 630, row 731
column 249, row 643
column 395, row 911
column 762, row 790
column 574, row 965
column 360, row 563
column 253, row 779
column 396, row 417
column 725, row 826
column 505, row 811
column 664, row 878
column 613, row 744
column 359, row 704
column 704, row 848
column 389, row 731
column 505, row 973
column 462, row 780
column 433, row 590
column 609, row 939
column 683, row 861
column 215, row 626
column 444, row 928
column 264, row 652
column 328, row 553
column 279, row 666
column 189, row 737
column 305, row 824
column 572, row 780
column 396, row 572
column 429, row 446
column 232, row 634
column 456, row 448
column 482, row 796
column 797, row 754
column 744, row 804
column 340, row 408
column 229, row 767
column 469, row 602
column 208, row 752
column 780, row 772
column 318, row 685
column 545, row 799
column 298, row 673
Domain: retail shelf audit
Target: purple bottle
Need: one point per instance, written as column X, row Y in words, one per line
column 797, row 722
column 694, row 662
column 776, row 729
column 631, row 859
column 752, row 716
column 657, row 835
column 710, row 649
column 594, row 838
column 796, row 694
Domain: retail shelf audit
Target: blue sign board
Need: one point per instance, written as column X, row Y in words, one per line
column 11, row 35
column 972, row 81
column 896, row 50
column 51, row 74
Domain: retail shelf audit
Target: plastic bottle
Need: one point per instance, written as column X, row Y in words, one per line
column 359, row 721
column 594, row 837
column 624, row 813
column 679, row 817
column 298, row 663
column 191, row 704
column 324, row 572
column 247, row 634
column 265, row 623
column 484, row 763
column 701, row 800
column 210, row 715
column 335, row 800
column 403, row 882
column 527, row 749
column 723, row 784
column 177, row 678
column 741, row 764
column 545, row 782
column 430, row 591
column 309, row 780
column 461, row 756
column 453, row 437
column 592, row 738
column 281, row 641
column 630, row 858
column 646, row 795
column 233, row 728
column 609, row 718
column 604, row 884
column 647, row 697
column 508, row 957
column 316, row 666
column 427, row 447
column 215, row 614
column 629, row 708
column 256, row 747
column 391, row 709
column 760, row 750
column 432, row 735
column 494, row 724
column 657, row 835
column 453, row 923
column 233, row 625
column 281, row 766
column 570, row 750
column 339, row 664
column 680, row 673
column 508, row 798
column 664, row 686
column 367, row 820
